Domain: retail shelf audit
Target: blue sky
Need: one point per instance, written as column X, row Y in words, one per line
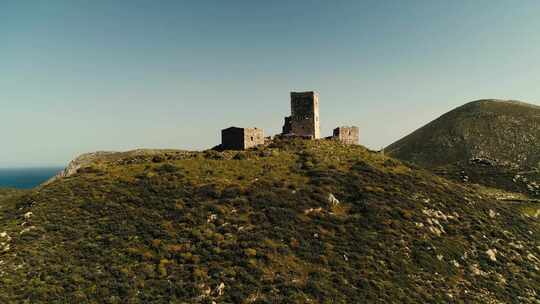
column 79, row 76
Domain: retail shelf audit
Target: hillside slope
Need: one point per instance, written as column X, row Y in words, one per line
column 295, row 222
column 503, row 132
column 6, row 193
column 493, row 143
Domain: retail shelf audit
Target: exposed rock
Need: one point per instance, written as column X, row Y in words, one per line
column 27, row 229
column 211, row 218
column 435, row 225
column 475, row 269
column 134, row 156
column 436, row 231
column 332, row 200
column 492, row 254
column 482, row 161
column 80, row 162
column 313, row 210
column 220, row 289
column 4, row 247
column 516, row 246
column 531, row 257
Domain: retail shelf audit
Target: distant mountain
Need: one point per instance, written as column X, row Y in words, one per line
column 501, row 132
column 294, row 222
column 494, row 143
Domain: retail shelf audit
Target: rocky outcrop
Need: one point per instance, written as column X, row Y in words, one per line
column 81, row 161
column 120, row 158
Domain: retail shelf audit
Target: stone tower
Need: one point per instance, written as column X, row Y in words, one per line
column 304, row 119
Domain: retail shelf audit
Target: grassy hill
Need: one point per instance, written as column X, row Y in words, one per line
column 295, row 222
column 504, row 132
column 489, row 142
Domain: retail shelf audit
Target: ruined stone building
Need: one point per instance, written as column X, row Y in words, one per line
column 303, row 122
column 347, row 135
column 304, row 119
column 234, row 138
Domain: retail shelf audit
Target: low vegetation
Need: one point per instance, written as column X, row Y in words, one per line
column 295, row 222
column 9, row 192
column 492, row 143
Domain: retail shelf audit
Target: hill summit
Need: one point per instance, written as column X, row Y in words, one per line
column 296, row 221
column 502, row 132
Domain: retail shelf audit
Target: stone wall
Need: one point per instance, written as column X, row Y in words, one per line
column 347, row 135
column 287, row 127
column 253, row 137
column 234, row 138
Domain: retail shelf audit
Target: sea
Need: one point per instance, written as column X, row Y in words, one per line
column 26, row 178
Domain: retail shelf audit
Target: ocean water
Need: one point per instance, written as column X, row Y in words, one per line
column 26, row 178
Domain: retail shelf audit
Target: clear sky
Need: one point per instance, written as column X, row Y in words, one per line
column 79, row 76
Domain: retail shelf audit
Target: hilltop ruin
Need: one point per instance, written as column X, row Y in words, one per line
column 304, row 122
